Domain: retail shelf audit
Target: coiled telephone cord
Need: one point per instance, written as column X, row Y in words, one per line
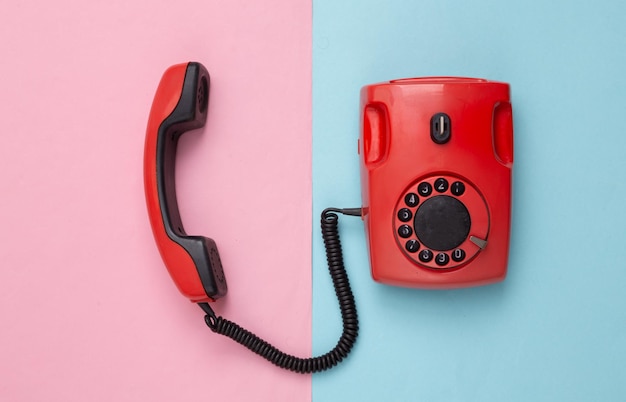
column 334, row 255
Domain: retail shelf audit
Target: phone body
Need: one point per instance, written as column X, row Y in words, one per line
column 436, row 171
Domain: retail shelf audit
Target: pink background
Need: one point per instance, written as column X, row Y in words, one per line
column 88, row 311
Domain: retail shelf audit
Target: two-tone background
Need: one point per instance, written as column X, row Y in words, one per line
column 87, row 310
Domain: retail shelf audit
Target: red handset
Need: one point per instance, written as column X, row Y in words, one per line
column 180, row 105
column 436, row 159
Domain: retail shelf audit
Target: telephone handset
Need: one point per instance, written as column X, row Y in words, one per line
column 180, row 105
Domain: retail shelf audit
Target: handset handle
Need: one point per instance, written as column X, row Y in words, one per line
column 180, row 105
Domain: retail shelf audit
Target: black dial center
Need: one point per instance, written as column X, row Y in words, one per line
column 442, row 223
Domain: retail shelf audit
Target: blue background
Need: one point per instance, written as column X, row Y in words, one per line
column 555, row 329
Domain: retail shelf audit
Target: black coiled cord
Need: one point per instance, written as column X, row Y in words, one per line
column 334, row 255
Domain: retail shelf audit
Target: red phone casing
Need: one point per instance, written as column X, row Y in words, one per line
column 400, row 157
